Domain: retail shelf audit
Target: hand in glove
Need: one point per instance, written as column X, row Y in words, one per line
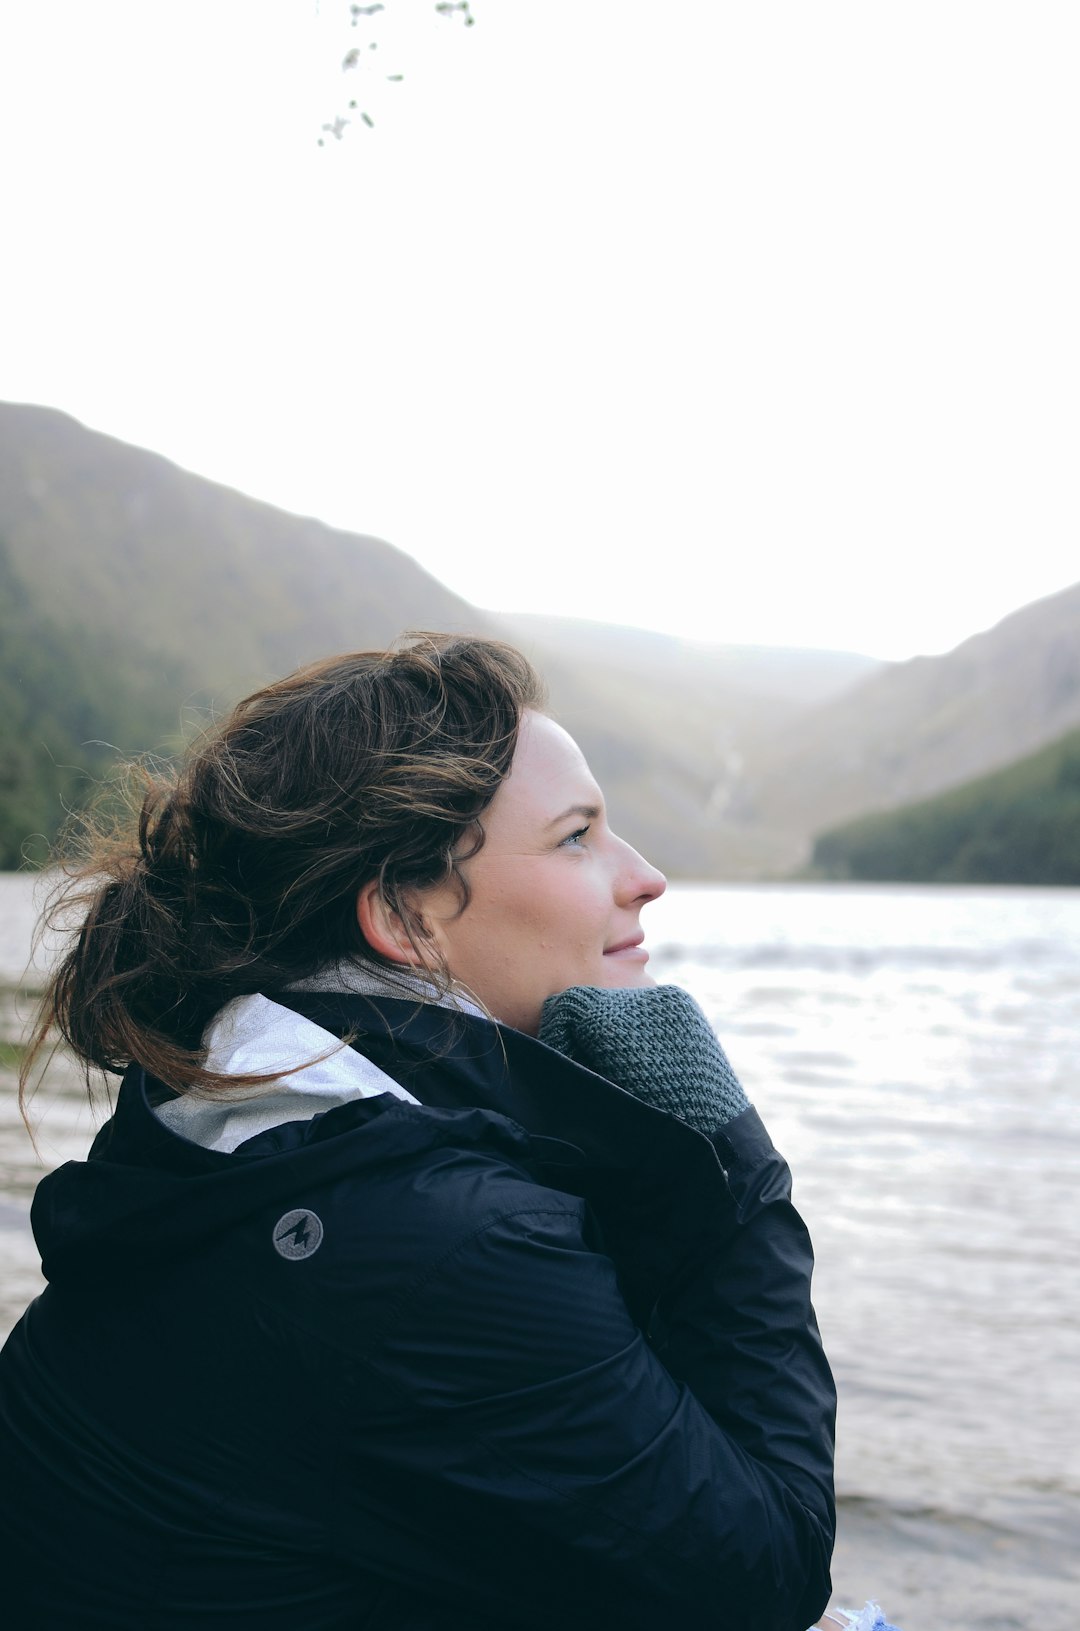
column 655, row 1042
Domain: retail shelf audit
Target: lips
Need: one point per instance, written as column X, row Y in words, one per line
column 632, row 944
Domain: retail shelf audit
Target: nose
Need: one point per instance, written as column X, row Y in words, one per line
column 639, row 882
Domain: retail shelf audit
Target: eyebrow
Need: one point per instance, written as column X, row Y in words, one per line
column 591, row 812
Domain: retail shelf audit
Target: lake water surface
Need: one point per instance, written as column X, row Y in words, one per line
column 914, row 1054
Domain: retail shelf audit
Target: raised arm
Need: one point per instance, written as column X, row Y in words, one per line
column 638, row 1421
column 734, row 1320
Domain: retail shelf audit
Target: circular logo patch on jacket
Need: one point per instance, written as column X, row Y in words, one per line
column 298, row 1234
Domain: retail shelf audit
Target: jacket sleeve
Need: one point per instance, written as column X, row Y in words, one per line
column 738, row 1327
column 591, row 1477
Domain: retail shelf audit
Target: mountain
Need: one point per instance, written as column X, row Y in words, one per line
column 135, row 596
column 138, row 596
column 1019, row 825
column 196, row 585
column 914, row 729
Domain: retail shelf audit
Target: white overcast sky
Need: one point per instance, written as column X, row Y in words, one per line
column 751, row 321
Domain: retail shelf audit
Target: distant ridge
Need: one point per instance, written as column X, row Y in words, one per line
column 668, row 725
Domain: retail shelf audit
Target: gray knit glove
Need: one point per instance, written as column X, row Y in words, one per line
column 654, row 1042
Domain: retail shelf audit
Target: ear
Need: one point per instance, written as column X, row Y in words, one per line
column 382, row 927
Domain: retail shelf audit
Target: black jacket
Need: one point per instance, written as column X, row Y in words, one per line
column 529, row 1354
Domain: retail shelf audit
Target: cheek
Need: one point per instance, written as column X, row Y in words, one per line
column 531, row 920
column 501, row 920
column 574, row 921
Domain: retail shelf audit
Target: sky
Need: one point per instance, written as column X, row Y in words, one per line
column 748, row 322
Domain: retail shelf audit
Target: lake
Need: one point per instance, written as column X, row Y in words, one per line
column 914, row 1054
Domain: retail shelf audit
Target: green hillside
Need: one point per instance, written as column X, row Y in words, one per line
column 69, row 702
column 1019, row 825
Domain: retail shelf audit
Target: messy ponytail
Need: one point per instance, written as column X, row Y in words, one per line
column 239, row 871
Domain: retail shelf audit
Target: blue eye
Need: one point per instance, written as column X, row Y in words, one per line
column 572, row 840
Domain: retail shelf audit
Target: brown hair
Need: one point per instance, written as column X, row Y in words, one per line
column 240, row 870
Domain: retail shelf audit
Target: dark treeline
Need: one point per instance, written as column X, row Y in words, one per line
column 1020, row 825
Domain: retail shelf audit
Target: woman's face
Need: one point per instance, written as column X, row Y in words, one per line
column 555, row 895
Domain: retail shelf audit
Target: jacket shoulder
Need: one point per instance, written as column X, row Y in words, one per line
column 430, row 1199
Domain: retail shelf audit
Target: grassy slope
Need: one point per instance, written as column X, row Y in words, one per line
column 1019, row 825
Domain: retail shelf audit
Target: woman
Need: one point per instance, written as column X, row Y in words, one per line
column 433, row 1270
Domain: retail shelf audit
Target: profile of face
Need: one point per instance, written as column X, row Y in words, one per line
column 556, row 896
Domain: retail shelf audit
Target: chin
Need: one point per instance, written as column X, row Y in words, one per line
column 619, row 976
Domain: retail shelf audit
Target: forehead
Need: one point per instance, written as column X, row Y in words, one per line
column 548, row 774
